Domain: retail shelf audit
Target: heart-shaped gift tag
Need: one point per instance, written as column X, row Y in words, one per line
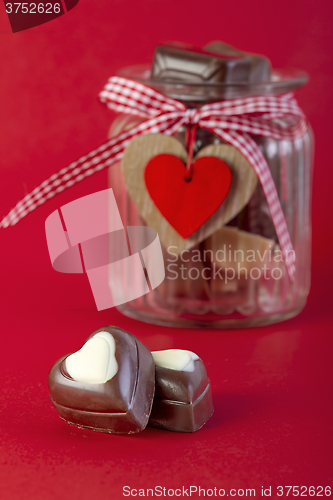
column 187, row 203
column 143, row 148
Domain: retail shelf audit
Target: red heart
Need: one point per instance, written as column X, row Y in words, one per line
column 186, row 205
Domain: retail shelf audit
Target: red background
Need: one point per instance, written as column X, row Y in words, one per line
column 272, row 386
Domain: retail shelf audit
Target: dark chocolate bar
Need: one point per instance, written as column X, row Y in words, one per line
column 108, row 385
column 187, row 64
column 260, row 67
column 183, row 398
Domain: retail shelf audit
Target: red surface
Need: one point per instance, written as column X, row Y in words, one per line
column 272, row 386
column 185, row 204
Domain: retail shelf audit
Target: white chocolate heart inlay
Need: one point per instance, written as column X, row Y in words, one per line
column 95, row 362
column 175, row 359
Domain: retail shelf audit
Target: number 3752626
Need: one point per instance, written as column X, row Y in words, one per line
column 304, row 491
column 33, row 8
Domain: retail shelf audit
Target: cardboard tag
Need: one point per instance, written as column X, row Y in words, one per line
column 143, row 148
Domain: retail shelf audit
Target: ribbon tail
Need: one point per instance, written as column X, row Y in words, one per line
column 98, row 159
column 246, row 145
column 65, row 178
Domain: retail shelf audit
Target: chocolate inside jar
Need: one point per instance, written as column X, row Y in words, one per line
column 217, row 62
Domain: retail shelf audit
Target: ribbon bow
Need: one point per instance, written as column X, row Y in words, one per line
column 231, row 120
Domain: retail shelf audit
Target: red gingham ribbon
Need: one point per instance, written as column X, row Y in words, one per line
column 231, row 120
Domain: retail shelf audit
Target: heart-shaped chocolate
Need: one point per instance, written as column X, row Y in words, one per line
column 183, row 398
column 108, row 385
column 143, row 148
column 187, row 203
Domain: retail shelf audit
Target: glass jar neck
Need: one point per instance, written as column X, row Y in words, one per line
column 194, row 95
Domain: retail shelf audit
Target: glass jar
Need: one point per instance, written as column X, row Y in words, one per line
column 236, row 277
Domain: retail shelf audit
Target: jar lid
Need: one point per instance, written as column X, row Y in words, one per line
column 281, row 81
